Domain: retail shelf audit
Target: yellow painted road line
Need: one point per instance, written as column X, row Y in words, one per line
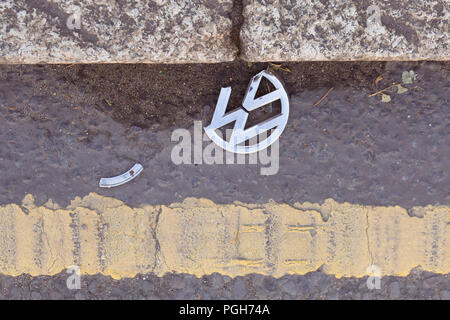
column 103, row 235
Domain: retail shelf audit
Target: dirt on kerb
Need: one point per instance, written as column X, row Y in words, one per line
column 140, row 94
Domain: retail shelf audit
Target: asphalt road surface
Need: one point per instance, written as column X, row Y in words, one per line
column 62, row 127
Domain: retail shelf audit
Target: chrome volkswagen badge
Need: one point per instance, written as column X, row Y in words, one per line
column 240, row 135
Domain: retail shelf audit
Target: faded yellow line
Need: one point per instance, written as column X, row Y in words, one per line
column 104, row 235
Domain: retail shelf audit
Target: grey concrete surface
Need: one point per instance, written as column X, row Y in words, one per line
column 88, row 31
column 345, row 30
column 418, row 285
column 181, row 31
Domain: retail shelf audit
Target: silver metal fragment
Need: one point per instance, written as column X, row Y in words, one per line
column 123, row 178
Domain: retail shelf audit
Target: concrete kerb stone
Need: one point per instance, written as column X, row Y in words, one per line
column 336, row 30
column 183, row 31
column 102, row 31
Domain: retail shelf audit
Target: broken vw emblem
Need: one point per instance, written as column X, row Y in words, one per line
column 239, row 136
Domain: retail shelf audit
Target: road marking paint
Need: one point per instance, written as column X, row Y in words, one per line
column 199, row 237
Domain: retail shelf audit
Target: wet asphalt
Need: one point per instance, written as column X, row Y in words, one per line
column 60, row 134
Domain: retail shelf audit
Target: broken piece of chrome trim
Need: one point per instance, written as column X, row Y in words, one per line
column 123, row 178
